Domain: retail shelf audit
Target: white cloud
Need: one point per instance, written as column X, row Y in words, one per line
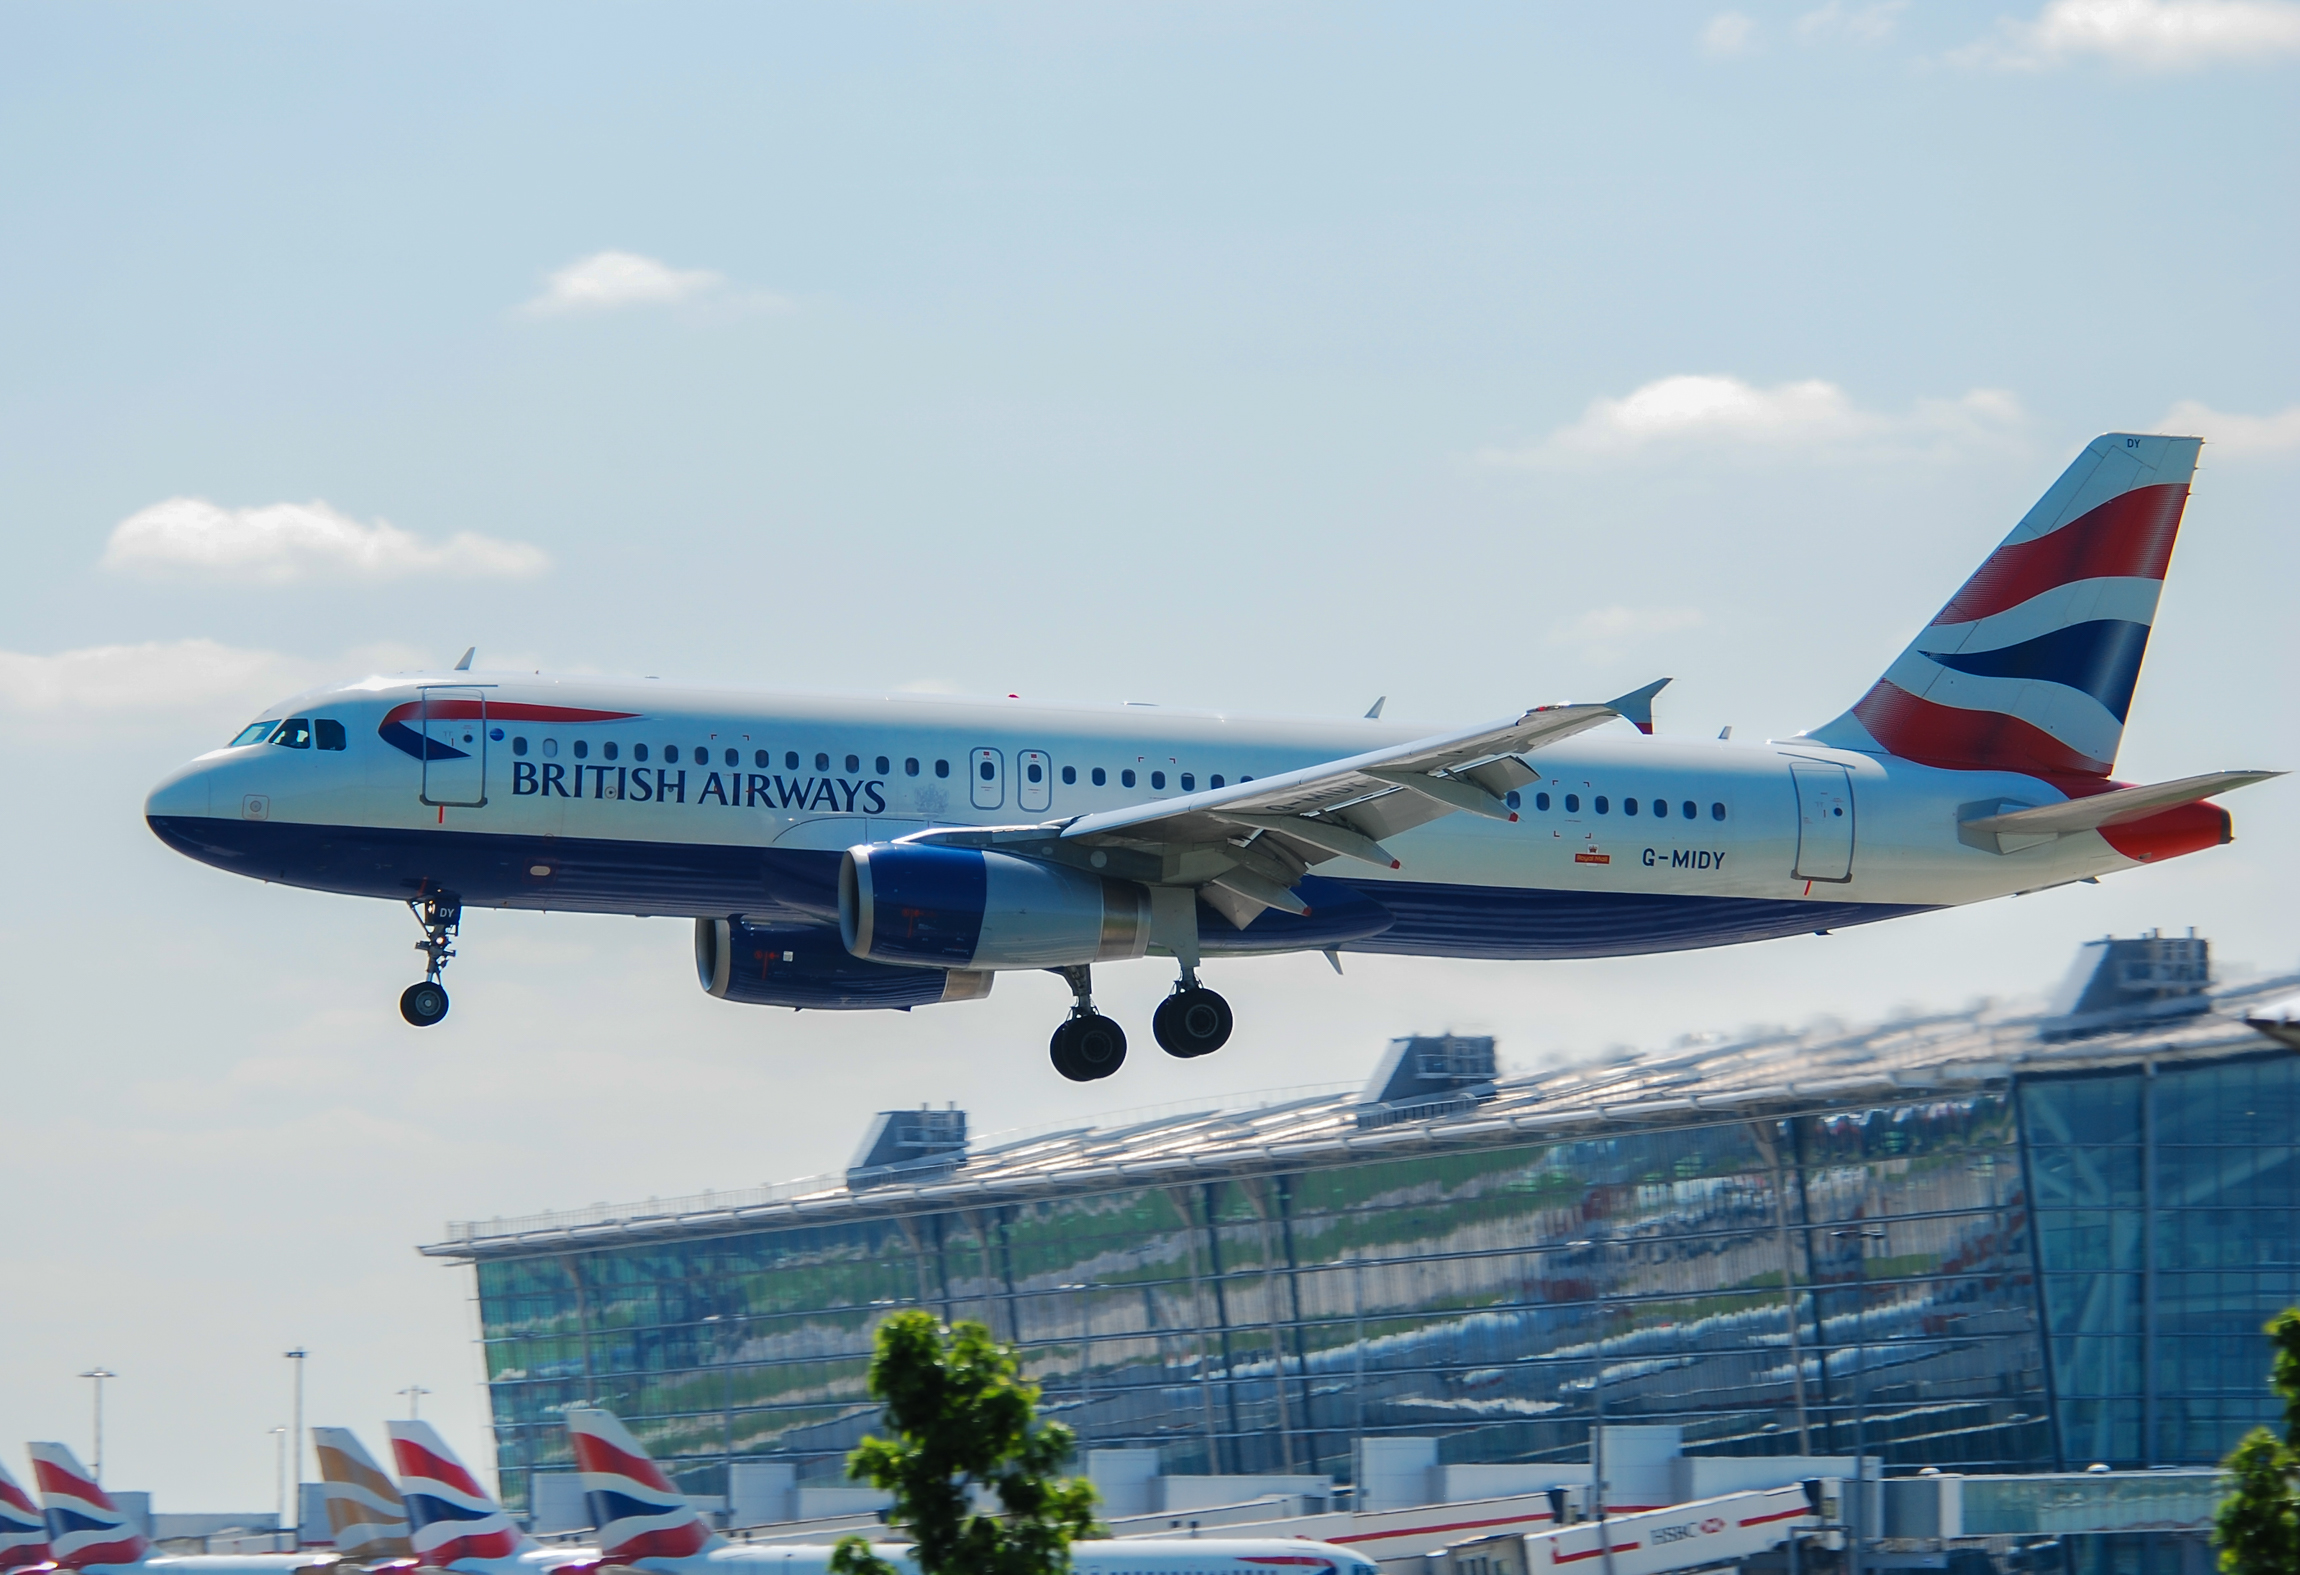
column 1694, row 410
column 156, row 675
column 606, row 280
column 1871, row 23
column 2163, row 35
column 280, row 542
column 1729, row 33
column 2235, row 435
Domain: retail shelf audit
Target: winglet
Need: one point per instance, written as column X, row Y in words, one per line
column 1637, row 705
column 464, row 666
column 1374, row 713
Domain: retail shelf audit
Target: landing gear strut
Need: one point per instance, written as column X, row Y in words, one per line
column 1193, row 1021
column 1088, row 1045
column 426, row 1003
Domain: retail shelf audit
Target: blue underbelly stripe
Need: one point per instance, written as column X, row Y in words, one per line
column 771, row 885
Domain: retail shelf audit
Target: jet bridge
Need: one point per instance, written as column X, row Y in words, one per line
column 1705, row 1532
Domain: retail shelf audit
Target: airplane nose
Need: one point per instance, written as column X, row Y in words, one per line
column 183, row 794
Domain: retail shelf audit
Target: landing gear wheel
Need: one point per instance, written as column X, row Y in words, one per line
column 1088, row 1048
column 1192, row 1022
column 423, row 1004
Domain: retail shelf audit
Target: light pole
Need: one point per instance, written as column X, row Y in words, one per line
column 1860, row 1236
column 279, row 1466
column 295, row 1446
column 415, row 1394
column 99, row 1374
column 718, row 1325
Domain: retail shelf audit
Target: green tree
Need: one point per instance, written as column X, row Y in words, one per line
column 963, row 1417
column 2258, row 1527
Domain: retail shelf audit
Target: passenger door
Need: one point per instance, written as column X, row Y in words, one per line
column 1824, row 822
column 1036, row 789
column 986, row 773
column 453, row 722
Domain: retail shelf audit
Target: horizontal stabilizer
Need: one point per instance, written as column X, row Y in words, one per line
column 2112, row 808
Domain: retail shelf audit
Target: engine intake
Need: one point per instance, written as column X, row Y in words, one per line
column 921, row 906
column 807, row 966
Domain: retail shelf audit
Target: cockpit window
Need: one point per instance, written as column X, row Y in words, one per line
column 253, row 733
column 327, row 733
column 294, row 733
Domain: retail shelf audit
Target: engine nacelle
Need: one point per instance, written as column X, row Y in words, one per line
column 923, row 906
column 806, row 966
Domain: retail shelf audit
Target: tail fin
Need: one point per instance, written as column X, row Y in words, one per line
column 23, row 1529
column 638, row 1512
column 365, row 1513
column 449, row 1514
column 2031, row 666
column 85, row 1528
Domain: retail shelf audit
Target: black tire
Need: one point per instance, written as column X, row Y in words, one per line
column 1192, row 1023
column 1058, row 1051
column 1089, row 1048
column 423, row 1004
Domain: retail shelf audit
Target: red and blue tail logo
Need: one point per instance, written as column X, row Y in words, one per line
column 449, row 1515
column 23, row 1529
column 638, row 1512
column 2031, row 666
column 85, row 1528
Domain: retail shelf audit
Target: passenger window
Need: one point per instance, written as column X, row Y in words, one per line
column 910, row 766
column 1035, row 771
column 1602, row 806
column 1541, row 801
column 942, row 768
column 1069, row 775
column 550, row 748
column 1100, row 776
column 1245, row 779
column 790, row 760
column 734, row 757
column 638, row 751
column 822, row 761
column 253, row 733
column 671, row 754
column 989, row 771
column 1716, row 811
column 1661, row 809
column 1126, row 777
column 1573, row 803
column 1214, row 781
column 759, row 758
column 582, row 749
column 854, row 764
column 328, row 733
column 519, row 746
column 1189, row 783
column 1693, row 810
column 609, row 750
column 1510, row 798
column 880, row 765
column 1629, row 806
column 294, row 733
column 1157, row 779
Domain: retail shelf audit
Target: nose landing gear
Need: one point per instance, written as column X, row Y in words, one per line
column 426, row 1003
column 1088, row 1046
column 1193, row 1021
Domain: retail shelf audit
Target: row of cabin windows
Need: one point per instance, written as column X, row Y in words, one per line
column 1629, row 806
column 1188, row 780
column 764, row 760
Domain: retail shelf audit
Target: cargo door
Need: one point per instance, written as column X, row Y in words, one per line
column 453, row 722
column 1036, row 789
column 986, row 772
column 1824, row 822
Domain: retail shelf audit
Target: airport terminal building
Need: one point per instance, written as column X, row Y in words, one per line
column 1977, row 1241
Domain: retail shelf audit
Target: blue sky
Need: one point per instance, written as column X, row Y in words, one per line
column 1264, row 356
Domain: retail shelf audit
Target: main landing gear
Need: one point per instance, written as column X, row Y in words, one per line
column 426, row 1003
column 1088, row 1046
column 1193, row 1021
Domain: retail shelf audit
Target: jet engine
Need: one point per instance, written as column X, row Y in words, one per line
column 923, row 906
column 808, row 966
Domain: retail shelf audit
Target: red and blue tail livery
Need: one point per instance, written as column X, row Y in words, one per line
column 86, row 1529
column 451, row 1518
column 637, row 1511
column 23, row 1529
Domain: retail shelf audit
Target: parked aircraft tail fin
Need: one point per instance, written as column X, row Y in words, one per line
column 449, row 1515
column 23, row 1529
column 85, row 1528
column 365, row 1512
column 2031, row 666
column 638, row 1512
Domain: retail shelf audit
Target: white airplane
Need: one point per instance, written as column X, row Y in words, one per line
column 365, row 1512
column 87, row 1531
column 895, row 851
column 646, row 1523
column 456, row 1524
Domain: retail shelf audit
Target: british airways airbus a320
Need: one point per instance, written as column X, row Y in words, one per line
column 899, row 851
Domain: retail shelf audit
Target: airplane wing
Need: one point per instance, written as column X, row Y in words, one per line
column 2114, row 807
column 1246, row 845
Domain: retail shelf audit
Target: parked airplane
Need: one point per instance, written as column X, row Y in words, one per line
column 365, row 1512
column 23, row 1529
column 87, row 1531
column 645, row 1522
column 903, row 850
column 456, row 1524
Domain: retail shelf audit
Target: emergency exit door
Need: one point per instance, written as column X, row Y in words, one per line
column 1824, row 822
column 986, row 774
